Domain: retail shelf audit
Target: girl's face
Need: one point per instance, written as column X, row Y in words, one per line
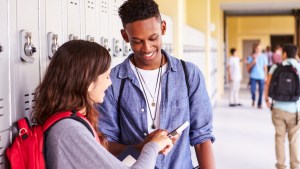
column 97, row 88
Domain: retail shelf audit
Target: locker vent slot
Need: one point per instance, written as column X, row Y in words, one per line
column 104, row 7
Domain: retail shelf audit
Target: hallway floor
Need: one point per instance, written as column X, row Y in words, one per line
column 244, row 135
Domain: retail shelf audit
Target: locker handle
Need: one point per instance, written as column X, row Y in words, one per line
column 1, row 48
column 52, row 44
column 27, row 49
column 1, row 115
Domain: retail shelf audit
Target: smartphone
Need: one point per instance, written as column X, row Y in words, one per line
column 179, row 129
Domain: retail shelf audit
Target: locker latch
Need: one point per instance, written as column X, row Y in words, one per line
column 27, row 48
column 90, row 38
column 73, row 37
column 117, row 47
column 52, row 44
column 127, row 49
column 104, row 43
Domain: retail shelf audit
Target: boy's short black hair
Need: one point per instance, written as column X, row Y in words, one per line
column 135, row 10
column 232, row 50
column 290, row 50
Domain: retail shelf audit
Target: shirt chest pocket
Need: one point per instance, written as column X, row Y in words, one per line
column 180, row 112
column 180, row 104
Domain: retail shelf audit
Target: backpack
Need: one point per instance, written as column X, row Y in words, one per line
column 284, row 85
column 27, row 149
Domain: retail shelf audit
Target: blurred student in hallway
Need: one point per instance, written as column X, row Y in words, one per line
column 257, row 66
column 234, row 77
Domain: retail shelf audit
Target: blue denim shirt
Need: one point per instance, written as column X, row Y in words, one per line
column 130, row 125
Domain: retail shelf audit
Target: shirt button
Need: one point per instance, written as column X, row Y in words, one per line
column 145, row 134
column 142, row 110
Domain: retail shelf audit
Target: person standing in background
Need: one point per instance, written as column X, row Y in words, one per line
column 284, row 115
column 277, row 55
column 257, row 66
column 234, row 76
column 269, row 55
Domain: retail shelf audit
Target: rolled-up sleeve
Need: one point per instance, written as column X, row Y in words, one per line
column 201, row 115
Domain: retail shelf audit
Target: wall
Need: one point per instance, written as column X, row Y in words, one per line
column 241, row 28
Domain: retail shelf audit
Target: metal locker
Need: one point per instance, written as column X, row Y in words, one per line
column 4, row 141
column 126, row 49
column 116, row 37
column 72, row 23
column 91, row 14
column 168, row 37
column 4, row 68
column 103, row 30
column 25, row 56
column 2, row 162
column 51, row 30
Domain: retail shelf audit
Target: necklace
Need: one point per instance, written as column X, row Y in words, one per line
column 152, row 96
column 153, row 103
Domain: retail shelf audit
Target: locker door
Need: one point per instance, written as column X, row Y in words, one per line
column 51, row 30
column 72, row 20
column 90, row 16
column 168, row 37
column 104, row 33
column 26, row 60
column 4, row 68
column 4, row 142
column 116, row 37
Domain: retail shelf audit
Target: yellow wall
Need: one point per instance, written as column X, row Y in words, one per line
column 196, row 14
column 177, row 12
column 258, row 1
column 249, row 28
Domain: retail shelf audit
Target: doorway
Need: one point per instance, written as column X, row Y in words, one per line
column 281, row 40
column 247, row 50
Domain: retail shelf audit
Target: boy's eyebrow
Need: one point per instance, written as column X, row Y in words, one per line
column 155, row 34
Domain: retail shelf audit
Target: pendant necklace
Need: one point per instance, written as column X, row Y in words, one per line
column 156, row 89
column 141, row 79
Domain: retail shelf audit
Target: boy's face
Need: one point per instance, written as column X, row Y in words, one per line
column 145, row 38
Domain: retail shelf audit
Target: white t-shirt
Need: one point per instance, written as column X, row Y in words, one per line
column 235, row 69
column 150, row 77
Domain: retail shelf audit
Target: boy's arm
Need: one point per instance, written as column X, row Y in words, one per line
column 205, row 157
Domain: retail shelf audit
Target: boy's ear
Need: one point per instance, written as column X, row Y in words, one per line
column 124, row 35
column 163, row 27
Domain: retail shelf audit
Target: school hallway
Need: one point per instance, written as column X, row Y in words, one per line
column 244, row 134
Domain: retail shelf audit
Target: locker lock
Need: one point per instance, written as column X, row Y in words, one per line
column 127, row 50
column 117, row 48
column 27, row 49
column 90, row 38
column 52, row 44
column 73, row 37
column 104, row 43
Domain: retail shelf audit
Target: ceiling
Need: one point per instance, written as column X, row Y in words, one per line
column 260, row 8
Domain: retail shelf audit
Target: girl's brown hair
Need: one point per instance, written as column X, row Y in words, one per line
column 74, row 66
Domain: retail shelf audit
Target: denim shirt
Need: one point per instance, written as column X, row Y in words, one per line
column 129, row 126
